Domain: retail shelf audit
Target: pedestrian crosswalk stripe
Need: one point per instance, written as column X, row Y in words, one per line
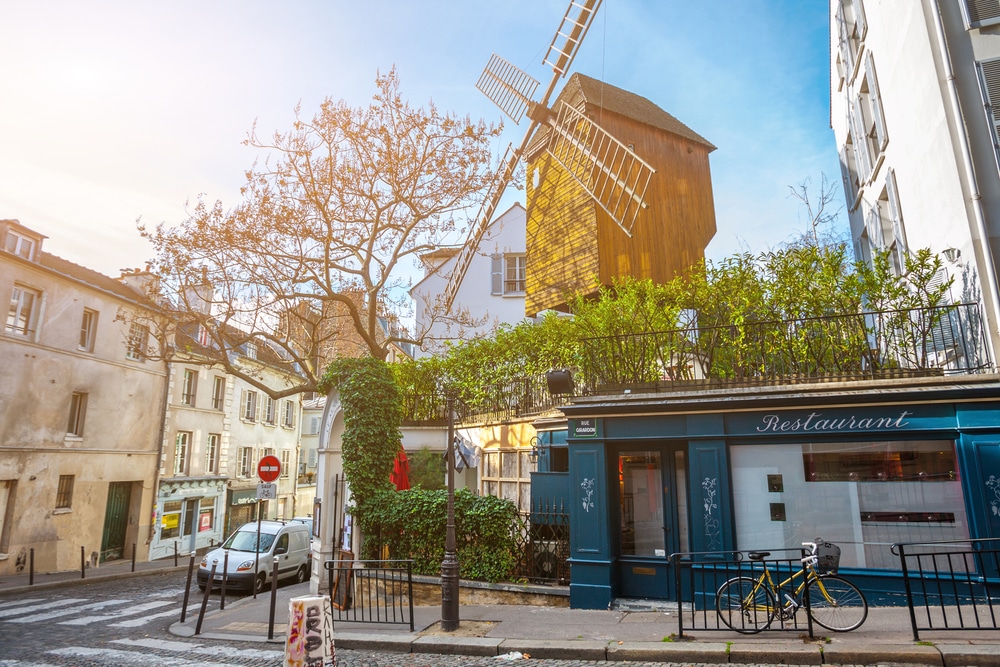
column 46, row 605
column 131, row 611
column 56, row 613
column 212, row 651
column 18, row 663
column 143, row 620
column 14, row 603
column 130, row 658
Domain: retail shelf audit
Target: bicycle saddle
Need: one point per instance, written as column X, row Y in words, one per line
column 758, row 555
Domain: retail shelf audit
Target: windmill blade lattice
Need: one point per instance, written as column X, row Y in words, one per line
column 507, row 87
column 613, row 174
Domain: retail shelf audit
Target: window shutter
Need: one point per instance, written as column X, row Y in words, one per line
column 894, row 211
column 846, row 56
column 859, row 18
column 883, row 137
column 982, row 12
column 845, row 173
column 989, row 84
column 496, row 276
column 860, row 145
column 243, row 403
column 873, row 222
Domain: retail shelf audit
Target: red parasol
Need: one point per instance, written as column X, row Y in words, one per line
column 400, row 476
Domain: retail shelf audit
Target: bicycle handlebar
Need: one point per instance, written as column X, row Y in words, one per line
column 811, row 559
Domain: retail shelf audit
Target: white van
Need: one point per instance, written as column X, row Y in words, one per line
column 249, row 567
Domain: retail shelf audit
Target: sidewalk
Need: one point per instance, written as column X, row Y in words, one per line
column 572, row 634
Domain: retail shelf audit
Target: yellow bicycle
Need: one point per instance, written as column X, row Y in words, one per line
column 749, row 605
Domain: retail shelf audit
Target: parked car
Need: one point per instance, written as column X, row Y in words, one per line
column 308, row 521
column 250, row 567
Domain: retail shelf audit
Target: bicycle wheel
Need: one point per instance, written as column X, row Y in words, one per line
column 837, row 604
column 745, row 605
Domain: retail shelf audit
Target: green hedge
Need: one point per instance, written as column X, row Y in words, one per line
column 413, row 524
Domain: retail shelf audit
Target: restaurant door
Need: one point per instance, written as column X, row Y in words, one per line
column 653, row 513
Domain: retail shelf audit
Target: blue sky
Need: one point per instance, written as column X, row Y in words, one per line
column 118, row 110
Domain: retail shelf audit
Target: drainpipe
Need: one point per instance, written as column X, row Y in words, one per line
column 970, row 176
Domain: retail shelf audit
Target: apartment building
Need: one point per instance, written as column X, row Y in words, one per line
column 912, row 101
column 81, row 402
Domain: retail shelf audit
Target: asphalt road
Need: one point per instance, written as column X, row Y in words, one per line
column 125, row 623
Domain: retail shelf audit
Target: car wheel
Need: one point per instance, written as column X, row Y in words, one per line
column 301, row 575
column 201, row 587
column 259, row 582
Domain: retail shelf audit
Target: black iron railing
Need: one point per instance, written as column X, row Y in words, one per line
column 698, row 576
column 920, row 341
column 371, row 591
column 542, row 543
column 951, row 585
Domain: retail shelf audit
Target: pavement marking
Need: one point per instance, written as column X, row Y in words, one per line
column 14, row 603
column 47, row 605
column 215, row 651
column 131, row 611
column 65, row 612
column 18, row 663
column 128, row 658
column 166, row 593
column 136, row 622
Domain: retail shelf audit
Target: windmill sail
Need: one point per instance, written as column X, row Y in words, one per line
column 571, row 32
column 508, row 87
column 612, row 173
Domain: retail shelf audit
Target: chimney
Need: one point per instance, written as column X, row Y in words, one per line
column 199, row 298
column 141, row 281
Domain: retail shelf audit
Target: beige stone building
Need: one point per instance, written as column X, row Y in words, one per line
column 81, row 404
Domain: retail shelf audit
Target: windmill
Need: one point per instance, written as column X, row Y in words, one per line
column 610, row 171
column 589, row 185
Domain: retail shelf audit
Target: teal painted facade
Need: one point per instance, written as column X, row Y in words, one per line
column 691, row 448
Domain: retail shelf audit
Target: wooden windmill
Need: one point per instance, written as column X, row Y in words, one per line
column 589, row 215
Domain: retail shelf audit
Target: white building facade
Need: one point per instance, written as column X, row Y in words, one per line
column 914, row 86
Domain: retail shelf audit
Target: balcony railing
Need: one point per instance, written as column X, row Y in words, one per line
column 937, row 341
column 920, row 341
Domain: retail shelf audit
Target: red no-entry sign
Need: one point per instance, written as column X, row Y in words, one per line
column 269, row 468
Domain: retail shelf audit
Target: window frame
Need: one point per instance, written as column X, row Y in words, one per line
column 514, row 273
column 64, row 492
column 288, row 418
column 286, row 466
column 245, row 462
column 137, row 342
column 269, row 410
column 249, row 406
column 212, row 447
column 189, row 388
column 88, row 330
column 19, row 241
column 219, row 393
column 16, row 311
column 182, row 453
column 77, row 414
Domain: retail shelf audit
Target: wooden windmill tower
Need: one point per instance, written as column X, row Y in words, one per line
column 595, row 209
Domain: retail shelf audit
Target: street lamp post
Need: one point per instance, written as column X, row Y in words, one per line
column 449, row 566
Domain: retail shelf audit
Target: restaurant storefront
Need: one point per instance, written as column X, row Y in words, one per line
column 864, row 467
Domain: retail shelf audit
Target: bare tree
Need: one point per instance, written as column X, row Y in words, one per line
column 315, row 260
column 822, row 212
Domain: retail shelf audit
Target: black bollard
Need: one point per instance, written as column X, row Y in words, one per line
column 31, row 566
column 274, row 599
column 175, row 554
column 225, row 578
column 204, row 600
column 133, row 556
column 83, row 563
column 187, row 589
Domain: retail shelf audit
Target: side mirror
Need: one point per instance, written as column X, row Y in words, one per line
column 280, row 550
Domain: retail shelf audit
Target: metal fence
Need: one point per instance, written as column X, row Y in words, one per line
column 951, row 585
column 371, row 591
column 542, row 543
column 698, row 577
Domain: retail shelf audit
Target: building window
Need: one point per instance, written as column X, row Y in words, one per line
column 289, row 416
column 20, row 245
column 269, row 410
column 64, row 494
column 23, row 314
column 506, row 474
column 212, row 454
column 989, row 85
column 181, row 451
column 88, row 329
column 981, row 13
column 219, row 393
column 246, row 462
column 190, row 387
column 8, row 488
column 170, row 522
column 203, row 337
column 77, row 413
column 138, row 336
column 286, row 466
column 508, row 273
column 870, row 495
column 851, row 28
column 249, row 404
column 251, row 349
column 206, row 514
